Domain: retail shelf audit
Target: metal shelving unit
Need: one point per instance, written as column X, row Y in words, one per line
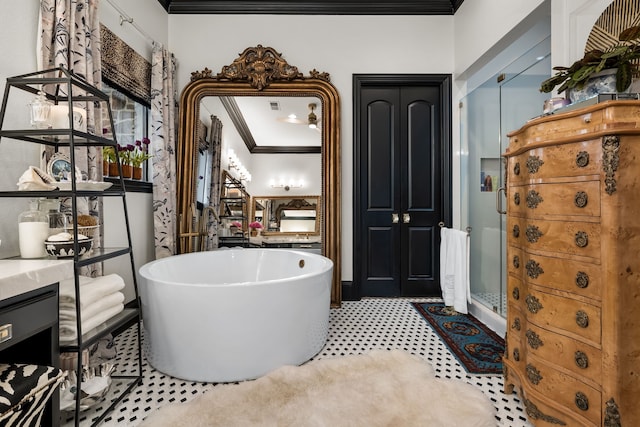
column 63, row 86
column 234, row 207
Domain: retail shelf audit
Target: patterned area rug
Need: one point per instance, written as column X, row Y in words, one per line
column 478, row 349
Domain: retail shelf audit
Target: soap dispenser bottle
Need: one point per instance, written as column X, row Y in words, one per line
column 33, row 230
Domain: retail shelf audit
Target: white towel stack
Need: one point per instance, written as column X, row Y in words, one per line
column 100, row 300
column 454, row 268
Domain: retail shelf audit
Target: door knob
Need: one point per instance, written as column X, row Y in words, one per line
column 395, row 218
column 406, row 218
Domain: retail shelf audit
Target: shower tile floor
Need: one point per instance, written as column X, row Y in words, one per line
column 492, row 300
column 356, row 327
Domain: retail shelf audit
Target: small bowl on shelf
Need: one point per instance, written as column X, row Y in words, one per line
column 65, row 249
column 86, row 230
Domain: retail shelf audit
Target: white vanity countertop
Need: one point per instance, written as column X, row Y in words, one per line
column 18, row 276
column 284, row 239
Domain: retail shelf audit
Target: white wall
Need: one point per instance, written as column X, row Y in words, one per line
column 339, row 45
column 18, row 34
column 17, row 44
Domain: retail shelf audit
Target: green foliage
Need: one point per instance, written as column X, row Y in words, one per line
column 620, row 56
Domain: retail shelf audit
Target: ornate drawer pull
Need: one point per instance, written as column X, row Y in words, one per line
column 610, row 160
column 533, row 233
column 581, row 199
column 533, row 304
column 582, row 159
column 516, row 294
column 582, row 279
column 516, row 199
column 533, row 199
column 516, row 324
column 533, row 374
column 582, row 361
column 516, row 355
column 516, row 261
column 533, row 164
column 582, row 239
column 582, row 319
column 516, row 168
column 516, row 231
column 582, row 402
column 533, row 269
column 533, row 339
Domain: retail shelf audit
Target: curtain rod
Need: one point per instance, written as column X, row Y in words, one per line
column 126, row 18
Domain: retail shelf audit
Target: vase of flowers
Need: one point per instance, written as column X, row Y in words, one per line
column 235, row 227
column 255, row 227
column 139, row 155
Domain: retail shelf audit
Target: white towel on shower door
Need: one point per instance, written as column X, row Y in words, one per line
column 454, row 268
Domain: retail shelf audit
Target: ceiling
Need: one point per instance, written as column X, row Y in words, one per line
column 313, row 7
column 252, row 126
column 264, row 125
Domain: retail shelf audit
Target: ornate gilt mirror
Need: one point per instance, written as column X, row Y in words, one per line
column 261, row 71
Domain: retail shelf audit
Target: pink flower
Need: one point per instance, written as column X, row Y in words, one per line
column 236, row 224
column 255, row 224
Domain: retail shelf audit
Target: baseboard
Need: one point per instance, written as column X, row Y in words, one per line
column 349, row 291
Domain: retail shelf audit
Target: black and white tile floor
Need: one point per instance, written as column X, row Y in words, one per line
column 356, row 327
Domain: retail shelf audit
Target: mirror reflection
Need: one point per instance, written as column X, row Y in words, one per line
column 212, row 138
column 287, row 215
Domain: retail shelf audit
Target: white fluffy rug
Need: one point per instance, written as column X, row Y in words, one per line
column 381, row 388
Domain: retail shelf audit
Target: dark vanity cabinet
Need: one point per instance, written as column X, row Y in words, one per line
column 29, row 334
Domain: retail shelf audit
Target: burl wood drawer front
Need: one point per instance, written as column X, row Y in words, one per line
column 566, row 390
column 566, row 237
column 568, row 160
column 515, row 261
column 515, row 235
column 572, row 198
column 561, row 314
column 516, row 291
column 581, row 278
column 578, row 357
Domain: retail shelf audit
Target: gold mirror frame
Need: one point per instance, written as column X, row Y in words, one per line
column 264, row 232
column 261, row 71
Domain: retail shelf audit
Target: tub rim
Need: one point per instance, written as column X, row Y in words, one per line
column 328, row 265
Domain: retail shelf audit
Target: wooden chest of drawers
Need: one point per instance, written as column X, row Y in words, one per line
column 573, row 256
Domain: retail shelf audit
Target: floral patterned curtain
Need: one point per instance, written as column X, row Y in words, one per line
column 215, row 137
column 162, row 147
column 69, row 37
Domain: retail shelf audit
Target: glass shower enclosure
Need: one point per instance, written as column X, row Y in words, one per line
column 500, row 105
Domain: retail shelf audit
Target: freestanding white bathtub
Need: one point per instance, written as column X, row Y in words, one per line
column 234, row 314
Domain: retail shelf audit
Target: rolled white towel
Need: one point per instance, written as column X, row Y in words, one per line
column 68, row 311
column 91, row 289
column 68, row 330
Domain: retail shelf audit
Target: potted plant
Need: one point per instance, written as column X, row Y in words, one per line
column 108, row 159
column 255, row 226
column 139, row 155
column 620, row 57
column 125, row 152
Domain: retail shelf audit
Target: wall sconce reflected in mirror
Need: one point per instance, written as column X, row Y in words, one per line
column 286, row 184
column 234, row 163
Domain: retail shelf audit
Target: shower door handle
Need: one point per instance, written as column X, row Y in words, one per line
column 499, row 201
column 395, row 218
